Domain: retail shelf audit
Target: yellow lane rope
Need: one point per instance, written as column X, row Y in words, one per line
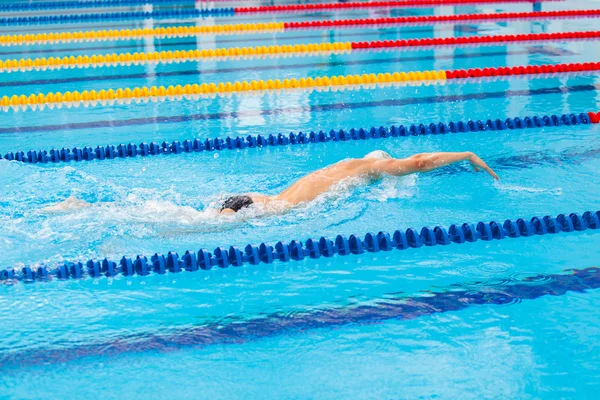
column 178, row 93
column 106, row 60
column 126, row 34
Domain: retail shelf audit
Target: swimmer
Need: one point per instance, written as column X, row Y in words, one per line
column 372, row 166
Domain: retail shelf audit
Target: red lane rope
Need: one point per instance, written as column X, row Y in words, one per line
column 523, row 70
column 452, row 41
column 374, row 4
column 430, row 19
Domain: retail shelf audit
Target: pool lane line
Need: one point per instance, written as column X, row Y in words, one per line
column 331, row 107
column 306, row 8
column 232, row 11
column 95, row 4
column 141, row 33
column 117, row 16
column 296, row 50
column 123, row 24
column 272, row 27
column 177, row 56
column 194, row 92
column 286, row 67
column 187, row 41
column 296, row 250
column 456, row 297
column 442, row 19
column 91, row 4
column 121, row 151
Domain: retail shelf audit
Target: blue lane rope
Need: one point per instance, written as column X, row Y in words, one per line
column 112, row 152
column 53, row 5
column 296, row 250
column 117, row 16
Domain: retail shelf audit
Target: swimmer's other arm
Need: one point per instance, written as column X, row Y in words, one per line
column 426, row 162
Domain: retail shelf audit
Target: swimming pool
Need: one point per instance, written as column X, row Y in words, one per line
column 502, row 318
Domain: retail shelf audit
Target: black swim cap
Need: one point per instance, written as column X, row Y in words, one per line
column 236, row 203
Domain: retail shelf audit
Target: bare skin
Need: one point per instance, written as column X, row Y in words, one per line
column 310, row 186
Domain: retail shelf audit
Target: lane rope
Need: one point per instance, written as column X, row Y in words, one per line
column 184, row 13
column 121, row 151
column 136, row 33
column 297, row 50
column 117, row 16
column 295, row 250
column 108, row 60
column 441, row 19
column 192, row 92
column 374, row 4
column 251, row 28
column 56, row 5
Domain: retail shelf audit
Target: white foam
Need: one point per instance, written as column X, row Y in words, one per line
column 393, row 188
column 151, row 217
column 154, row 212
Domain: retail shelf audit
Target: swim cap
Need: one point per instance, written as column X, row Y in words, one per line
column 236, row 203
column 378, row 155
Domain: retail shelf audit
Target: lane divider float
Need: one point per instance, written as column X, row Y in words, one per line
column 192, row 92
column 190, row 13
column 296, row 250
column 137, row 33
column 121, row 151
column 178, row 56
column 311, row 7
column 443, row 19
column 224, row 29
column 117, row 16
column 57, row 5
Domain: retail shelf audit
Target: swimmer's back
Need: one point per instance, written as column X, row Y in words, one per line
column 312, row 185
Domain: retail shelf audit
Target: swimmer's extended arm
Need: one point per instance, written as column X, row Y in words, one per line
column 426, row 162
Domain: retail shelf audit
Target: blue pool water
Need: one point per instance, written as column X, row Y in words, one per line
column 385, row 325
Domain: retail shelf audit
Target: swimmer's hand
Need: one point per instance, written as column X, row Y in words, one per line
column 479, row 164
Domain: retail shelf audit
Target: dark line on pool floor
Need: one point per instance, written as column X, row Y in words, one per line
column 544, row 50
column 305, row 109
column 277, row 324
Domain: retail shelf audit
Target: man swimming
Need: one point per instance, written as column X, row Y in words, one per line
column 373, row 166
